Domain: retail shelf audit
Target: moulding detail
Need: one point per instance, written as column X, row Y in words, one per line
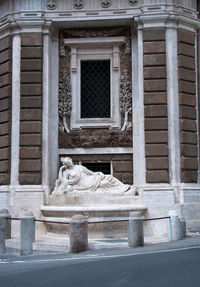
column 106, row 3
column 51, row 4
column 106, row 150
column 78, row 4
column 132, row 2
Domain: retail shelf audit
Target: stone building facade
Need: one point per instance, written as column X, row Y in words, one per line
column 145, row 131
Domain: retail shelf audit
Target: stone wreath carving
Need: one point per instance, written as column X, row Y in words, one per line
column 51, row 4
column 64, row 105
column 106, row 3
column 125, row 99
column 78, row 4
column 132, row 2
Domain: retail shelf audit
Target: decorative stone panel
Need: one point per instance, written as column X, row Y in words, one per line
column 90, row 138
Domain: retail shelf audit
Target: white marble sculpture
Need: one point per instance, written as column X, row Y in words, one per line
column 77, row 178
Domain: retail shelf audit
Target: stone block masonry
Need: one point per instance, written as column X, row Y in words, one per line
column 30, row 167
column 187, row 108
column 5, row 108
column 155, row 106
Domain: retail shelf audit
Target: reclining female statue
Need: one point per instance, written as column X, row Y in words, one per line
column 77, row 178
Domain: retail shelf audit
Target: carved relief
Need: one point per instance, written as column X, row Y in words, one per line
column 125, row 99
column 51, row 4
column 62, row 51
column 78, row 4
column 101, row 32
column 132, row 2
column 106, row 3
column 94, row 138
column 64, row 105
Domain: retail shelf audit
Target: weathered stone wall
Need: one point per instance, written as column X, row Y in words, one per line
column 121, row 163
column 155, row 106
column 5, row 108
column 31, row 109
column 187, row 100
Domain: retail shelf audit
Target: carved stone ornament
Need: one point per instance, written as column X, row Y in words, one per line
column 106, row 3
column 78, row 4
column 62, row 51
column 64, row 105
column 125, row 99
column 132, row 2
column 51, row 4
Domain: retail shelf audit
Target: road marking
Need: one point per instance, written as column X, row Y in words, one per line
column 92, row 256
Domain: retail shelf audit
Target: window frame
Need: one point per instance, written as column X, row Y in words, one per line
column 97, row 48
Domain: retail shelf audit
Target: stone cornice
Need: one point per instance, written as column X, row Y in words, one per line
column 145, row 14
column 172, row 20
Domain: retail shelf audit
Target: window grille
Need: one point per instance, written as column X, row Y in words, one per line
column 98, row 166
column 95, row 89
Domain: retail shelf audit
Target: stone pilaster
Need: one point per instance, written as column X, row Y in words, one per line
column 15, row 136
column 139, row 165
column 173, row 104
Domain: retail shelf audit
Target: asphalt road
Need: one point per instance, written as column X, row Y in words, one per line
column 172, row 264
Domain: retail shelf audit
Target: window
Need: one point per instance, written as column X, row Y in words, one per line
column 95, row 81
column 100, row 166
column 95, row 89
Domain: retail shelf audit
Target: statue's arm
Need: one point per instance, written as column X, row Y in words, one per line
column 60, row 174
column 76, row 179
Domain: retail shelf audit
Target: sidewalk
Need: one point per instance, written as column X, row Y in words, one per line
column 49, row 250
column 50, row 244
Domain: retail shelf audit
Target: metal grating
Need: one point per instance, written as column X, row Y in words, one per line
column 95, row 89
column 98, row 166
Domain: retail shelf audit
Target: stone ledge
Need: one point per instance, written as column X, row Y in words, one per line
column 114, row 207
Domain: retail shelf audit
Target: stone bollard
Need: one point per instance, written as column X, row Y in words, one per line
column 27, row 233
column 135, row 230
column 5, row 212
column 176, row 229
column 78, row 230
column 2, row 233
column 183, row 227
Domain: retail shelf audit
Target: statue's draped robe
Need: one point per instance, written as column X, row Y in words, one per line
column 81, row 179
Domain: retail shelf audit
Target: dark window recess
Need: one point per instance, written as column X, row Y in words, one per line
column 102, row 166
column 95, row 89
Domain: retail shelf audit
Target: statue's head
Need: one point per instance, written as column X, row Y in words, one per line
column 66, row 161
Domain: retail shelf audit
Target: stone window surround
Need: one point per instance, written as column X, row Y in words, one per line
column 98, row 48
